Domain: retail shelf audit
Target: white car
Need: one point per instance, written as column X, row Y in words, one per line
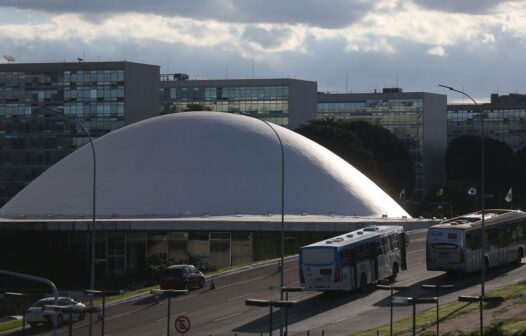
column 36, row 314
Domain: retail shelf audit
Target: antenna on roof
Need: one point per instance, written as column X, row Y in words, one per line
column 9, row 58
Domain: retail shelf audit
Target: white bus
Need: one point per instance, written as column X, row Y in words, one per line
column 353, row 260
column 454, row 245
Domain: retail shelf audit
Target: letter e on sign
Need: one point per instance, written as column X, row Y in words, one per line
column 182, row 324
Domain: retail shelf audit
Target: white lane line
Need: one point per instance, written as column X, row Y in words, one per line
column 299, row 296
column 343, row 319
column 113, row 317
column 226, row 317
column 241, row 296
column 171, row 316
column 416, row 251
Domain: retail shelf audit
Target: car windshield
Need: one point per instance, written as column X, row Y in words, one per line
column 172, row 272
column 43, row 302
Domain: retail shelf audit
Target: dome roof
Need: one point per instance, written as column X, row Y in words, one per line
column 195, row 163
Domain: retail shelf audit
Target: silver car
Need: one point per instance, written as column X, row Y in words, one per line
column 36, row 314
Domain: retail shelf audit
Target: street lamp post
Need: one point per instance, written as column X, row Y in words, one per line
column 483, row 205
column 437, row 293
column 392, row 289
column 170, row 293
column 270, row 304
column 282, row 228
column 93, row 231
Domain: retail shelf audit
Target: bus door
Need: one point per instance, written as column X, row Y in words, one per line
column 347, row 268
column 493, row 251
column 404, row 242
column 473, row 246
column 384, row 257
column 373, row 260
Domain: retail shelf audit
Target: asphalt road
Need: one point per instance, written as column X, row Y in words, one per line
column 222, row 311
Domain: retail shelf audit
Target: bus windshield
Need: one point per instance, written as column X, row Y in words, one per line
column 317, row 256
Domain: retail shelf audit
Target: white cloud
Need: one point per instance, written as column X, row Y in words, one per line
column 437, row 51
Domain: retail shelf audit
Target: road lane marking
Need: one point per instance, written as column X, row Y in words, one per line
column 416, row 251
column 175, row 315
column 241, row 296
column 344, row 319
column 226, row 317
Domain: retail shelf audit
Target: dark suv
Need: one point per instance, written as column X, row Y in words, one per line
column 182, row 277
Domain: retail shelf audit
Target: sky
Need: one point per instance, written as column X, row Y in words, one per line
column 478, row 46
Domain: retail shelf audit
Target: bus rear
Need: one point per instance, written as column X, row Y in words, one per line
column 445, row 249
column 320, row 269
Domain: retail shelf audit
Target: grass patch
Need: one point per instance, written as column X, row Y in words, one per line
column 515, row 325
column 113, row 298
column 427, row 318
column 10, row 325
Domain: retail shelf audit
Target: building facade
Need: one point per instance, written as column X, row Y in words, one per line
column 285, row 102
column 504, row 119
column 418, row 119
column 40, row 102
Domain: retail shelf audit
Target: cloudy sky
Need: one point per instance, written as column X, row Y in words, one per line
column 355, row 45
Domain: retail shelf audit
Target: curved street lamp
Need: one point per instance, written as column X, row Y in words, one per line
column 282, row 229
column 483, row 205
column 93, row 231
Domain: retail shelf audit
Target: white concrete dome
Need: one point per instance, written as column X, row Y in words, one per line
column 195, row 163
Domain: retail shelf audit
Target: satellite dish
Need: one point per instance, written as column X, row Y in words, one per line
column 80, row 59
column 9, row 58
column 472, row 191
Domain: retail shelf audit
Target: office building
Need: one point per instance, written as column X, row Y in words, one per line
column 285, row 102
column 504, row 119
column 418, row 119
column 39, row 103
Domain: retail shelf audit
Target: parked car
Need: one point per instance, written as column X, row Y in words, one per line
column 36, row 314
column 182, row 277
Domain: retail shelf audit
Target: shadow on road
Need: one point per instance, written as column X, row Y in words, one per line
column 461, row 281
column 324, row 302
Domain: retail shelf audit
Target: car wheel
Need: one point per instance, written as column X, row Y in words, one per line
column 60, row 320
column 33, row 324
column 202, row 283
column 82, row 316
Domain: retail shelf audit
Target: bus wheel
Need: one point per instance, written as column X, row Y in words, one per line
column 392, row 278
column 520, row 255
column 363, row 284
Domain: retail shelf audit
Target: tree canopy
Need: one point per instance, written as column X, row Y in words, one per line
column 372, row 149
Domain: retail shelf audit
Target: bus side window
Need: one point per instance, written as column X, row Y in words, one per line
column 362, row 252
column 520, row 232
column 379, row 248
column 513, row 236
column 345, row 257
column 386, row 244
column 473, row 240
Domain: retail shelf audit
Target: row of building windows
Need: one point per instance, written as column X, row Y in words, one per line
column 373, row 105
column 113, row 109
column 62, row 77
column 226, row 93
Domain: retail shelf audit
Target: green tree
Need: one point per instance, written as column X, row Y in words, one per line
column 372, row 149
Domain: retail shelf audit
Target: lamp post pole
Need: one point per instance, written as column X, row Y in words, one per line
column 282, row 229
column 93, row 210
column 483, row 205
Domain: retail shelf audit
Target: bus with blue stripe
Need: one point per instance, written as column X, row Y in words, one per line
column 354, row 260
